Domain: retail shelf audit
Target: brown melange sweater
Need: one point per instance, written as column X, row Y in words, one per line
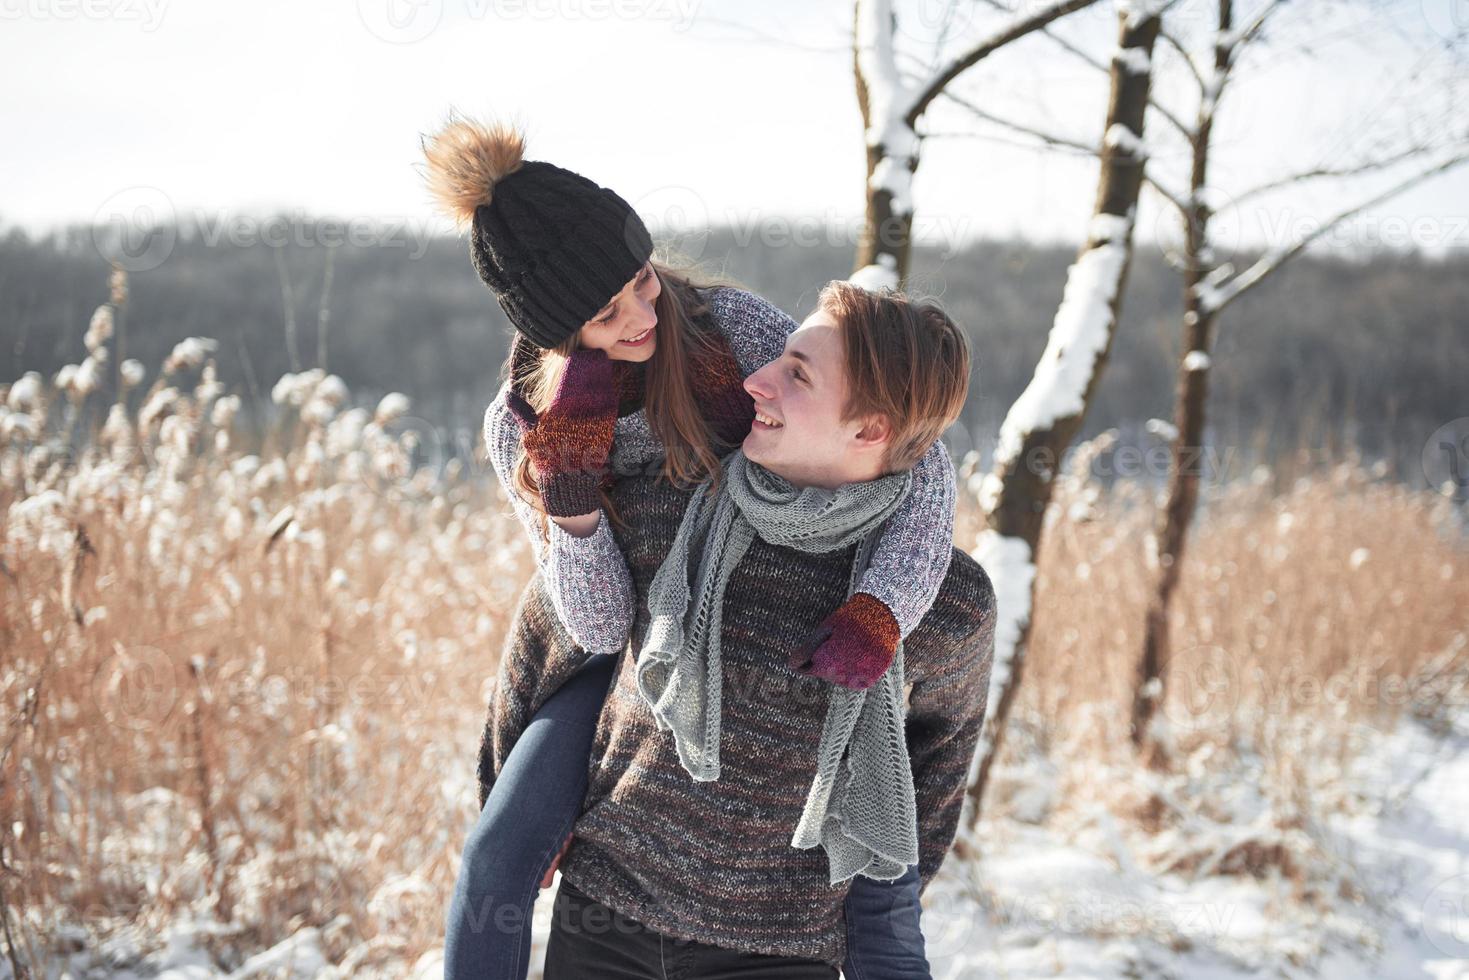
column 712, row 861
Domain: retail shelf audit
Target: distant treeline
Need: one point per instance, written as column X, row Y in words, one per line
column 1325, row 354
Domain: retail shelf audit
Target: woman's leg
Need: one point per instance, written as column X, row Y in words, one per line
column 884, row 941
column 535, row 801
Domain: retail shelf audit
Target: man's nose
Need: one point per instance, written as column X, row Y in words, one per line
column 756, row 386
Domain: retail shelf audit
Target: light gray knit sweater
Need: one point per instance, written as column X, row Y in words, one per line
column 588, row 578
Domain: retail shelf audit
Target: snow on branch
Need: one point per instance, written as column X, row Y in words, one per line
column 1138, row 11
column 1078, row 336
column 1018, row 27
column 888, row 99
column 1119, row 137
column 1134, row 61
column 883, row 275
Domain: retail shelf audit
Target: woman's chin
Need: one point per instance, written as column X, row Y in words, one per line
column 622, row 352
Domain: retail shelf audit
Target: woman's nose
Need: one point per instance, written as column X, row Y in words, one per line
column 648, row 315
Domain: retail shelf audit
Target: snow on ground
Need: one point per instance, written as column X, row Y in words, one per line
column 1043, row 902
column 1083, row 909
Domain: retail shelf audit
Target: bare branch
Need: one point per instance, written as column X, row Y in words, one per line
column 1182, row 52
column 1229, row 43
column 1172, row 197
column 1047, row 141
column 1016, row 29
column 1213, row 300
column 1050, row 139
column 1086, row 58
column 1238, row 39
column 1353, row 171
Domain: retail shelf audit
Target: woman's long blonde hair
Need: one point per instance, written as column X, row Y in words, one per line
column 669, row 398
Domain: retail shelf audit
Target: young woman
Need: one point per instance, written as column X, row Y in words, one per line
column 621, row 365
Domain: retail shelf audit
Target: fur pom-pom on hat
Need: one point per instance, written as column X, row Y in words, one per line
column 465, row 161
column 552, row 245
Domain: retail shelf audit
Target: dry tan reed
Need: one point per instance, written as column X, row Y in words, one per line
column 252, row 686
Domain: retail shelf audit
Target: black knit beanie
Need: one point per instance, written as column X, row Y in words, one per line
column 552, row 245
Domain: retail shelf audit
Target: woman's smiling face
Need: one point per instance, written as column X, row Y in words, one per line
column 624, row 327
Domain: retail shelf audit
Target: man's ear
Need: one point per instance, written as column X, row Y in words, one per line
column 875, row 432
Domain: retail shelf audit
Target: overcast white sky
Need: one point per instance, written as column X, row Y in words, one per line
column 734, row 110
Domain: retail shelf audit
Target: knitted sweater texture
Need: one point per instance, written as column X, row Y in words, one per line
column 588, row 579
column 712, row 861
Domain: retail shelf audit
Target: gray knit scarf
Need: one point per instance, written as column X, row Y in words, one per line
column 862, row 813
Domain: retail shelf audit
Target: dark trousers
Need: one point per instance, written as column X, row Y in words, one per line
column 590, row 940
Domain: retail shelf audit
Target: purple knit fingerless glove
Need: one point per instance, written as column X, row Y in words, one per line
column 569, row 443
column 853, row 647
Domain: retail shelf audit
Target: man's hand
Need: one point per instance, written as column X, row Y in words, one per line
column 555, row 862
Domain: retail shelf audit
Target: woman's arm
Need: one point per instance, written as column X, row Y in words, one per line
column 587, row 577
column 856, row 644
column 755, row 328
column 911, row 557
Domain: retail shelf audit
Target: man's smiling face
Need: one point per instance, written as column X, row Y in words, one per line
column 799, row 432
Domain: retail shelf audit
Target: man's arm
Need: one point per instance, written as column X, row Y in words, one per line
column 946, row 706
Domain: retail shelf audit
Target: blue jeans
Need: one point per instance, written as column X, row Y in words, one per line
column 884, row 940
column 528, row 815
column 531, row 810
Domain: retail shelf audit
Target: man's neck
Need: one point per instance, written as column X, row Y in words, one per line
column 832, row 478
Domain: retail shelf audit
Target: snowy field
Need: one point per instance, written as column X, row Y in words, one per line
column 1386, row 889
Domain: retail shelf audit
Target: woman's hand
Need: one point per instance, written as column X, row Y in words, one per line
column 570, row 442
column 555, row 862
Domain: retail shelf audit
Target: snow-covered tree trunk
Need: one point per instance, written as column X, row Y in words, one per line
column 891, row 108
column 892, row 149
column 1048, row 414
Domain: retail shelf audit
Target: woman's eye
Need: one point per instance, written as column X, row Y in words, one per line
column 796, row 373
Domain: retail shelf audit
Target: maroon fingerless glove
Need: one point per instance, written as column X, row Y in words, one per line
column 569, row 443
column 853, row 647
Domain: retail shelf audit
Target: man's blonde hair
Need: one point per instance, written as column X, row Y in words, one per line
column 906, row 362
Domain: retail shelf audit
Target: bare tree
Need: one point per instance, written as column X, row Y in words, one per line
column 288, row 303
column 892, row 105
column 1045, row 418
column 1209, row 286
column 323, row 310
column 1049, row 412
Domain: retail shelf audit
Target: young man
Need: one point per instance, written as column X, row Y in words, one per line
column 683, row 860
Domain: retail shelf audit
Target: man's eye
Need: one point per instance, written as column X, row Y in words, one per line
column 796, row 373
